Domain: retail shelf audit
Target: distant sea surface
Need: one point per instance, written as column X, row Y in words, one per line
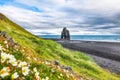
column 112, row 38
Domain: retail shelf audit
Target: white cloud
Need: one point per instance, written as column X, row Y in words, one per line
column 93, row 5
column 78, row 15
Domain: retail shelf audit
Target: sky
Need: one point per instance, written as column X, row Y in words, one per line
column 48, row 17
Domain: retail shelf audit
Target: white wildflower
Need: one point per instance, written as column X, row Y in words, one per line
column 46, row 62
column 23, row 50
column 61, row 74
column 9, row 56
column 16, row 49
column 28, row 58
column 11, row 59
column 35, row 69
column 22, row 64
column 5, row 42
column 59, row 77
column 3, row 57
column 5, row 72
column 43, row 79
column 15, row 75
column 37, row 76
column 35, row 59
column 13, row 62
column 0, row 47
column 25, row 71
column 7, row 46
column 36, row 73
column 47, row 78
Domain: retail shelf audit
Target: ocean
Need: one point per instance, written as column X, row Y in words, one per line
column 112, row 38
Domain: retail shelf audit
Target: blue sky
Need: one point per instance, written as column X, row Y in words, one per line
column 50, row 16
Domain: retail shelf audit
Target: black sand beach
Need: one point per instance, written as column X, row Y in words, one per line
column 105, row 54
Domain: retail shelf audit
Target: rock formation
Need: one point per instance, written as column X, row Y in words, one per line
column 65, row 34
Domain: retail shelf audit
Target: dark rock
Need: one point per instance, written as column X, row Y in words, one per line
column 65, row 34
column 68, row 68
column 57, row 62
column 62, row 67
column 4, row 34
column 11, row 42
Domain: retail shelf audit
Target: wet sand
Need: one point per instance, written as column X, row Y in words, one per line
column 105, row 54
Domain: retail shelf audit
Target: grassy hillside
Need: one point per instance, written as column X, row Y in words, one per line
column 36, row 51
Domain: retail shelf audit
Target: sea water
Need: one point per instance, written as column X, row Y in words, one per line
column 115, row 38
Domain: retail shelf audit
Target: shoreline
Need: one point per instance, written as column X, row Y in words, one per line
column 106, row 41
column 105, row 54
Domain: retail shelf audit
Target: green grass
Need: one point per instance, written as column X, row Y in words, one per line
column 44, row 70
column 50, row 50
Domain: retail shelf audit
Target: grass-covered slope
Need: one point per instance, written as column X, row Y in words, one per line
column 38, row 49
